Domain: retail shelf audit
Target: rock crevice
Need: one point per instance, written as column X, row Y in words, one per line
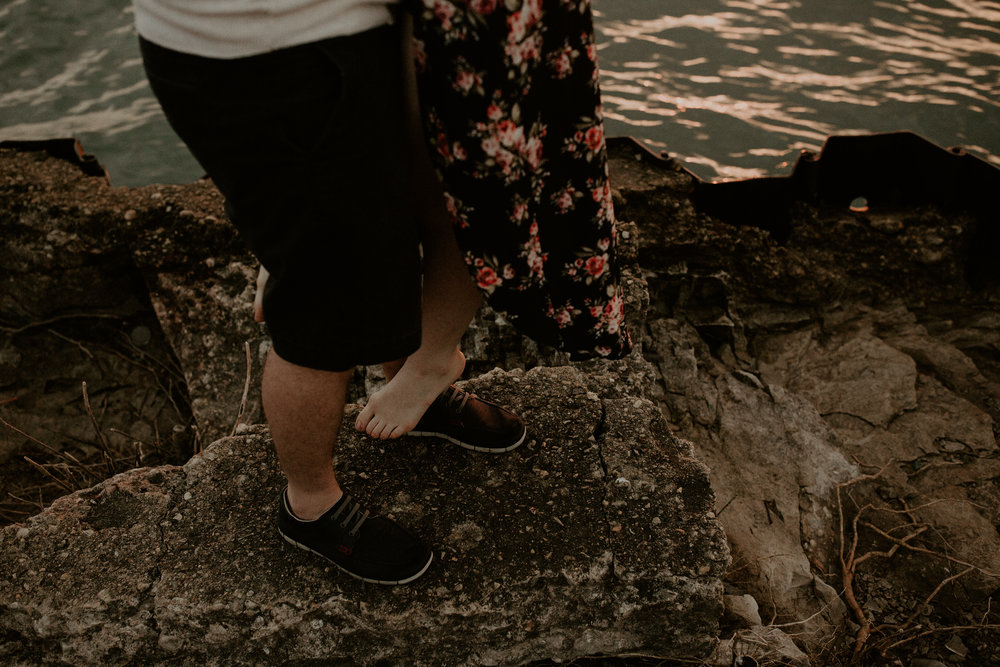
column 788, row 368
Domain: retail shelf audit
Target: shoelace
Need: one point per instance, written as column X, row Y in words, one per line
column 458, row 398
column 354, row 508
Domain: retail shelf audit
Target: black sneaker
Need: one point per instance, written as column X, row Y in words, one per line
column 370, row 548
column 468, row 421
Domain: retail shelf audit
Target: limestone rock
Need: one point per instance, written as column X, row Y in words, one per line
column 592, row 538
column 743, row 609
column 774, row 462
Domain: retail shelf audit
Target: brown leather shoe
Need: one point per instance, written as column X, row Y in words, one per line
column 468, row 421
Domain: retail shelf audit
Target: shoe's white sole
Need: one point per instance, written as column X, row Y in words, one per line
column 466, row 445
column 394, row 582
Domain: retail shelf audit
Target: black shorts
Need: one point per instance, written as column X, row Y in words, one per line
column 308, row 145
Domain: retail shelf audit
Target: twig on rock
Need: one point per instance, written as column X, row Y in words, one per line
column 927, row 600
column 850, row 559
column 848, row 563
column 105, row 447
column 41, row 469
column 935, row 631
column 805, row 620
column 9, row 519
column 57, row 318
column 939, row 464
column 246, row 388
column 72, row 341
column 930, row 552
column 66, row 456
column 39, row 504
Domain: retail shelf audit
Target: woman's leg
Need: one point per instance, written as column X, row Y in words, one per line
column 450, row 297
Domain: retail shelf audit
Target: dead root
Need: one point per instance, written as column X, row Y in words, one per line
column 904, row 536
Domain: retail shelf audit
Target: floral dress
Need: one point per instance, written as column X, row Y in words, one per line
column 512, row 112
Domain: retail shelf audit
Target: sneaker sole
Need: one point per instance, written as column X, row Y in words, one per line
column 469, row 446
column 386, row 582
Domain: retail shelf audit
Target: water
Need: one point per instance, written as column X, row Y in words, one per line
column 734, row 88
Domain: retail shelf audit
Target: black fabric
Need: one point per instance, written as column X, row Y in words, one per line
column 308, row 145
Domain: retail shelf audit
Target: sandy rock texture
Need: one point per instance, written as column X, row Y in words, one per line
column 845, row 374
column 829, row 396
column 593, row 538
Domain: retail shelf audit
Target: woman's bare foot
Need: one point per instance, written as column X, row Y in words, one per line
column 395, row 409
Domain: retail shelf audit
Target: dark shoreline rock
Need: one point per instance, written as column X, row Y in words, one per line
column 593, row 538
column 853, row 343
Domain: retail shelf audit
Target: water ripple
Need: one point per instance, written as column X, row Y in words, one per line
column 735, row 88
column 778, row 76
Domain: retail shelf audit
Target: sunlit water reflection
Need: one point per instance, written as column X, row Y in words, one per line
column 734, row 88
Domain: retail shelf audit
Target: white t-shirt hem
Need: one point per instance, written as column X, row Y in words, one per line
column 223, row 29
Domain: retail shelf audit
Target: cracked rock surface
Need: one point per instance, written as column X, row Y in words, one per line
column 594, row 537
column 853, row 346
column 859, row 349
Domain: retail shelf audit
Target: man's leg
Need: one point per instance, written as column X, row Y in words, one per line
column 304, row 408
column 450, row 298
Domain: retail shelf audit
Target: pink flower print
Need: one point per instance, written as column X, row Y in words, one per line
column 607, row 211
column 531, row 49
column 487, row 277
column 511, row 134
column 520, row 212
column 505, row 159
column 478, row 262
column 533, row 152
column 536, row 263
column 443, row 11
column 596, row 265
column 613, row 314
column 442, row 146
column 592, row 52
column 465, row 81
column 595, row 137
column 521, row 21
column 563, row 317
column 491, row 146
column 449, row 203
column 419, row 55
column 603, row 350
column 494, row 113
column 483, row 6
column 521, row 51
column 516, row 27
column 508, row 272
column 565, row 200
column 536, row 258
column 604, row 244
column 562, row 62
column 533, row 10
